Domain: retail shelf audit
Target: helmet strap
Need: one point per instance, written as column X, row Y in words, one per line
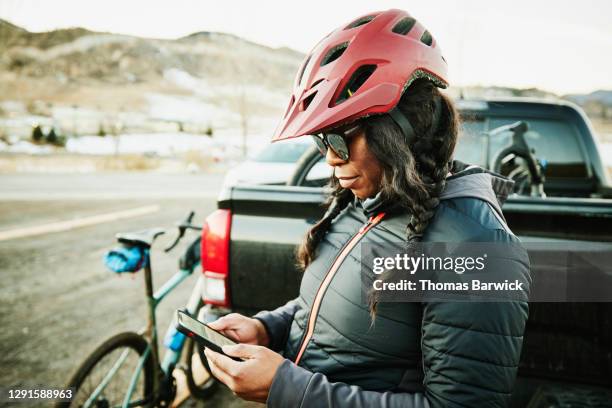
column 436, row 116
column 402, row 121
column 404, row 124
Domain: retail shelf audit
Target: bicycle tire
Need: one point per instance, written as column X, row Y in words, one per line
column 520, row 184
column 209, row 387
column 127, row 340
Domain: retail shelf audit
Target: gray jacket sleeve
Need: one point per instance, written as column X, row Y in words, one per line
column 277, row 323
column 294, row 386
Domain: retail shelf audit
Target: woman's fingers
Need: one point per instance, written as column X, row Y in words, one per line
column 222, row 367
column 226, row 322
column 244, row 351
column 219, row 324
column 250, row 379
column 236, row 327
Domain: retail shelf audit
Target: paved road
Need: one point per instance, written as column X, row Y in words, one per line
column 58, row 302
column 105, row 186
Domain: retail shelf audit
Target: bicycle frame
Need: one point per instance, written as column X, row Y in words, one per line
column 171, row 357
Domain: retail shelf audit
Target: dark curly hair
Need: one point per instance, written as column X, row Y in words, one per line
column 413, row 175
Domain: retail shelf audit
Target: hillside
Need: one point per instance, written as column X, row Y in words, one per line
column 82, row 55
column 14, row 36
column 117, row 74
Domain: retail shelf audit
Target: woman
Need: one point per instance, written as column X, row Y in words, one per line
column 369, row 92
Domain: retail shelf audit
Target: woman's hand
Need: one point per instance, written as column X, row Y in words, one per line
column 250, row 379
column 242, row 329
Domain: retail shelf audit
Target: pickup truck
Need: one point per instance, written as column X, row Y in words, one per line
column 248, row 243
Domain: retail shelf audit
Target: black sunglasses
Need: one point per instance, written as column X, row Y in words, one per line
column 336, row 141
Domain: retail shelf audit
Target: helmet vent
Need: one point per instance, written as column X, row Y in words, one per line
column 359, row 77
column 307, row 100
column 360, row 21
column 404, row 26
column 426, row 38
column 303, row 69
column 334, row 53
column 290, row 105
column 317, row 82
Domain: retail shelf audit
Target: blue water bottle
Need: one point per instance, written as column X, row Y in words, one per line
column 174, row 339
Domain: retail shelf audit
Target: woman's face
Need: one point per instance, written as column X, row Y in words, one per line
column 362, row 172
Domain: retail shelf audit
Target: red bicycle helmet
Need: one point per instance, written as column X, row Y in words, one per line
column 358, row 70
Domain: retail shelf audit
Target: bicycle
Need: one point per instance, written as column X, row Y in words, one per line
column 133, row 358
column 518, row 160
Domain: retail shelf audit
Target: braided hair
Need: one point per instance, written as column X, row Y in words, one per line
column 335, row 203
column 414, row 174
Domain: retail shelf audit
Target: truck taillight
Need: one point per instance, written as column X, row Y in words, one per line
column 215, row 257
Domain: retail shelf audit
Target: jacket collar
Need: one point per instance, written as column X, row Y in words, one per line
column 372, row 205
column 477, row 182
column 465, row 181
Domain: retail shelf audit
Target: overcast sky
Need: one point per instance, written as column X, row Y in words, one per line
column 561, row 46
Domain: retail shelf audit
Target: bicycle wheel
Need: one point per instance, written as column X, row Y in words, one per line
column 200, row 381
column 125, row 347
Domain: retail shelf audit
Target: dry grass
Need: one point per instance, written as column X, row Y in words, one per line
column 603, row 129
column 61, row 162
column 196, row 157
column 106, row 97
column 127, row 162
column 68, row 163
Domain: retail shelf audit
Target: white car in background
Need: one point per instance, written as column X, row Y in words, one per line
column 275, row 163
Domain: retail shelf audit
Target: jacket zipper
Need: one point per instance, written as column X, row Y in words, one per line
column 316, row 304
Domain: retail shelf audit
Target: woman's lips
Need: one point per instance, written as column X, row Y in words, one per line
column 347, row 182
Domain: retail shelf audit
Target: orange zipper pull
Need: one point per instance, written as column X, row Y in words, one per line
column 371, row 220
column 366, row 225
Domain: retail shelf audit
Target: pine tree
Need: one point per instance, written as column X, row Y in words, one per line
column 37, row 133
column 51, row 136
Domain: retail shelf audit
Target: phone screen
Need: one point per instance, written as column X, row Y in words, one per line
column 202, row 330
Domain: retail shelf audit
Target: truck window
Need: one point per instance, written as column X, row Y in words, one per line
column 471, row 144
column 555, row 141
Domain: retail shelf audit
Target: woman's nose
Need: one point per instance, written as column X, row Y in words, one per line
column 332, row 158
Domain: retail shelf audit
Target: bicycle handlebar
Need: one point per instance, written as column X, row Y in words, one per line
column 519, row 127
column 520, row 148
column 182, row 227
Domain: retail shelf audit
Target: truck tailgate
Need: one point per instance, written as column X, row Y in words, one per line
column 268, row 222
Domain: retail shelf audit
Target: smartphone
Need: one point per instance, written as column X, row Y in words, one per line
column 203, row 333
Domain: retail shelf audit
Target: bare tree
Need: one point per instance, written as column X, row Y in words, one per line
column 243, row 111
column 241, row 99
